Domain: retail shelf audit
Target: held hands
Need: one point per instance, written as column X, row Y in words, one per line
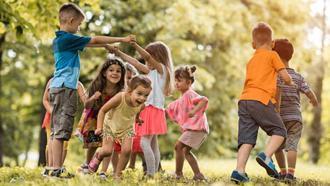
column 97, row 95
column 112, row 49
column 98, row 131
column 128, row 39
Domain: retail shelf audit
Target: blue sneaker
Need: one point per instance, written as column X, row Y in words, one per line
column 268, row 165
column 239, row 177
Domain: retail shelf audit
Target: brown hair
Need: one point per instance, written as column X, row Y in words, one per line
column 262, row 33
column 139, row 80
column 161, row 53
column 99, row 83
column 284, row 49
column 185, row 72
column 70, row 9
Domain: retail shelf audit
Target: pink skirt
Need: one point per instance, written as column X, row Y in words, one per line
column 154, row 122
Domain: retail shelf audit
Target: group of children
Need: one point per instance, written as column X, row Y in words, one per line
column 124, row 112
column 271, row 103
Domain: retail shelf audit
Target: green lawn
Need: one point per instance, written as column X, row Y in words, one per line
column 217, row 171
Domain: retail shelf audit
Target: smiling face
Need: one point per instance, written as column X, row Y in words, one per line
column 182, row 84
column 139, row 95
column 113, row 73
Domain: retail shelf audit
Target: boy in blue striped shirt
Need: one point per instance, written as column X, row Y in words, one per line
column 289, row 107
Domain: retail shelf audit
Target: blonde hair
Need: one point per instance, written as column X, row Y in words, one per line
column 161, row 53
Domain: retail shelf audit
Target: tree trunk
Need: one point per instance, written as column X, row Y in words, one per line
column 2, row 40
column 315, row 135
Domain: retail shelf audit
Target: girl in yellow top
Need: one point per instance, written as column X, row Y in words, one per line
column 116, row 120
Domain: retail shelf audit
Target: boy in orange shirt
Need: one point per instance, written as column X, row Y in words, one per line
column 256, row 105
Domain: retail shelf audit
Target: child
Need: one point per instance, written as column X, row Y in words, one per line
column 189, row 112
column 119, row 115
column 46, row 126
column 109, row 81
column 290, row 110
column 63, row 94
column 159, row 69
column 136, row 148
column 256, row 105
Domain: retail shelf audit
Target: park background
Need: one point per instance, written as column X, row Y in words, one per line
column 214, row 35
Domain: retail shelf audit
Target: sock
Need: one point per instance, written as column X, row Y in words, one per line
column 283, row 171
column 291, row 170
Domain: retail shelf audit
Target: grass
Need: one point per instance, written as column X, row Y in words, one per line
column 217, row 171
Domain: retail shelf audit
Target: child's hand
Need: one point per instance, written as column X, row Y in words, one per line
column 97, row 95
column 130, row 38
column 139, row 121
column 112, row 49
column 98, row 131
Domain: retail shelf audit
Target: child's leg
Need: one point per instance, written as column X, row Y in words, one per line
column 105, row 151
column 114, row 160
column 49, row 154
column 90, row 153
column 274, row 143
column 148, row 154
column 280, row 158
column 155, row 149
column 132, row 160
column 192, row 160
column 144, row 164
column 243, row 156
column 105, row 164
column 179, row 158
column 65, row 151
column 292, row 158
column 124, row 156
column 57, row 147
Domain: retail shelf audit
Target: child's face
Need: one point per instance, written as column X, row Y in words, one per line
column 139, row 95
column 113, row 73
column 74, row 23
column 182, row 84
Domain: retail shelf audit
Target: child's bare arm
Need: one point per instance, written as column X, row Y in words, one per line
column 283, row 73
column 81, row 92
column 91, row 100
column 147, row 57
column 138, row 120
column 45, row 98
column 312, row 98
column 139, row 66
column 278, row 99
column 100, row 41
column 201, row 104
column 112, row 103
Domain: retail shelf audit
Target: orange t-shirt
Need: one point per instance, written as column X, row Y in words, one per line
column 261, row 76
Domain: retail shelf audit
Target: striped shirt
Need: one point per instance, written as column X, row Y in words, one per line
column 290, row 96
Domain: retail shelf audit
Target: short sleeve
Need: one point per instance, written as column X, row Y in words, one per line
column 74, row 42
column 303, row 85
column 277, row 62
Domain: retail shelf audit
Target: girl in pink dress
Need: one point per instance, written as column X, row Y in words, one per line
column 189, row 112
column 159, row 69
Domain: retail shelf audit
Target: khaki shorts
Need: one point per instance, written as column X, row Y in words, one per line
column 193, row 139
column 64, row 103
column 294, row 129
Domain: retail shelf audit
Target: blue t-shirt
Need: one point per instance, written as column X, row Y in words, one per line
column 66, row 47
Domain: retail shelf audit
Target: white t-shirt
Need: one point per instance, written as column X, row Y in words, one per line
column 156, row 97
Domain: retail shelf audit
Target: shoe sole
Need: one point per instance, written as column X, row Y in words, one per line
column 237, row 181
column 269, row 171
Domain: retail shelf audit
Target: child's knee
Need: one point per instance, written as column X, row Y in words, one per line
column 178, row 146
column 125, row 152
